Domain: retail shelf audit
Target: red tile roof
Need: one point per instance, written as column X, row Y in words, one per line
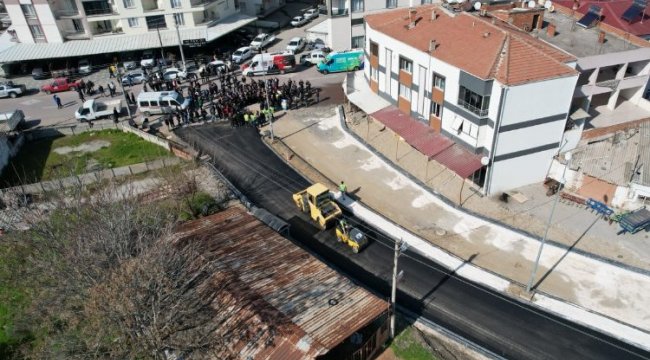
column 612, row 12
column 475, row 45
column 428, row 142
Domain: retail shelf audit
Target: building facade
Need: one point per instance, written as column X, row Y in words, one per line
column 493, row 89
column 345, row 26
column 56, row 21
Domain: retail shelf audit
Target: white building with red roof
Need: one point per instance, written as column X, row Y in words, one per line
column 497, row 92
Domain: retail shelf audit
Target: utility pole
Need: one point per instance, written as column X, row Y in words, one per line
column 180, row 46
column 529, row 287
column 268, row 104
column 128, row 107
column 162, row 52
column 400, row 247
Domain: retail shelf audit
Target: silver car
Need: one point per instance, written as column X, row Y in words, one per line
column 136, row 77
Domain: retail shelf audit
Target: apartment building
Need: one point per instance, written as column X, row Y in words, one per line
column 66, row 28
column 484, row 84
column 344, row 28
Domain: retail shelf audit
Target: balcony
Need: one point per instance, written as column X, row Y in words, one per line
column 98, row 8
column 76, row 35
column 150, row 5
column 198, row 3
column 66, row 13
column 472, row 108
column 337, row 12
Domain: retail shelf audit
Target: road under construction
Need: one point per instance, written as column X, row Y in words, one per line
column 498, row 323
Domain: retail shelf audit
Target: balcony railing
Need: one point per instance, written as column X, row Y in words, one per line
column 100, row 12
column 474, row 109
column 197, row 3
column 339, row 12
column 66, row 13
column 76, row 35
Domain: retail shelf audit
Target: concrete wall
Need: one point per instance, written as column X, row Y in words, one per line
column 18, row 21
column 339, row 33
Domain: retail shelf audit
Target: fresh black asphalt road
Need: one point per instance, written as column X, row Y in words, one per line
column 506, row 327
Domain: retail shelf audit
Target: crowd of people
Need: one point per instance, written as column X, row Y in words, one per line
column 228, row 96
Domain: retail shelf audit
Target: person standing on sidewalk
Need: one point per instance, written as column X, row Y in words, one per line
column 343, row 189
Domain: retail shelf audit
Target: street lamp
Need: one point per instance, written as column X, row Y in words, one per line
column 567, row 157
column 400, row 247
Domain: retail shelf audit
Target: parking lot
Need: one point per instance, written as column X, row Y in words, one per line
column 41, row 110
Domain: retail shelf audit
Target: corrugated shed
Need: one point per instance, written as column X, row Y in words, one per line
column 120, row 43
column 313, row 307
column 428, row 142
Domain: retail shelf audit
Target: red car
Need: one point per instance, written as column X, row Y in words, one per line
column 61, row 84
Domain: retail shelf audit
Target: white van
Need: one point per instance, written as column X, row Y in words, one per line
column 161, row 102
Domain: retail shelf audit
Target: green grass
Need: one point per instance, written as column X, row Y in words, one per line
column 36, row 161
column 408, row 347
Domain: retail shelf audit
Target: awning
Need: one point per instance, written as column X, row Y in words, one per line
column 359, row 93
column 428, row 142
column 121, row 43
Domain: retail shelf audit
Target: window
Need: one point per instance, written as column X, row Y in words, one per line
column 355, row 22
column 129, row 4
column 406, row 65
column 374, row 73
column 405, row 92
column 179, row 19
column 436, row 110
column 78, row 25
column 391, row 4
column 37, row 31
column 473, row 102
column 358, row 41
column 438, row 81
column 374, row 49
column 134, row 22
column 157, row 21
column 426, row 2
column 28, row 10
column 176, row 4
column 357, row 6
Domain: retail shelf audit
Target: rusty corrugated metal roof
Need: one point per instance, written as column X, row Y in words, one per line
column 286, row 287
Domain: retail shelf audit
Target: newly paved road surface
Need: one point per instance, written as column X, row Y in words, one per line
column 504, row 326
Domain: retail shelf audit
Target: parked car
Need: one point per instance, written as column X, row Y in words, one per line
column 174, row 73
column 311, row 14
column 148, row 59
column 242, row 54
column 61, row 84
column 299, row 21
column 261, row 41
column 296, row 45
column 38, row 73
column 9, row 89
column 94, row 109
column 222, row 66
column 84, row 66
column 129, row 63
column 312, row 58
column 136, row 77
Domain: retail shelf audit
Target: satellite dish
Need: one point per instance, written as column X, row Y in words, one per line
column 485, row 160
column 531, row 4
column 477, row 6
column 548, row 5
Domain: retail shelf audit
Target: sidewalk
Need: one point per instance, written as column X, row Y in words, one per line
column 315, row 134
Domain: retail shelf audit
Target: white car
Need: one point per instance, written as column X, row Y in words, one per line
column 148, row 59
column 174, row 73
column 312, row 58
column 221, row 66
column 296, row 45
column 311, row 14
column 84, row 66
column 261, row 41
column 242, row 54
column 136, row 77
column 299, row 21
